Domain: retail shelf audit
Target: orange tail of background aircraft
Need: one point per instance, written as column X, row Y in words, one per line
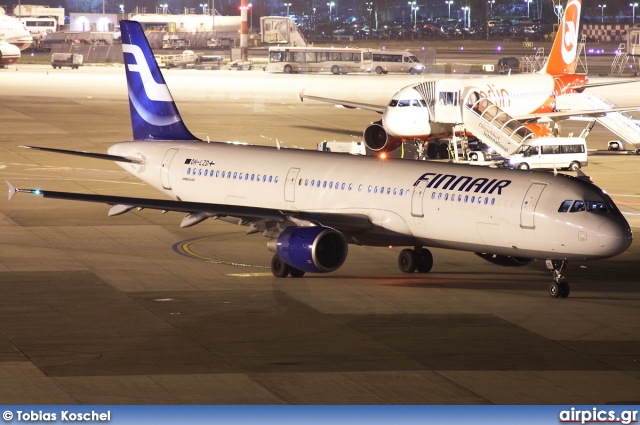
column 562, row 59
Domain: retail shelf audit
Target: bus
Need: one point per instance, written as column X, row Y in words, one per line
column 385, row 61
column 40, row 27
column 319, row 59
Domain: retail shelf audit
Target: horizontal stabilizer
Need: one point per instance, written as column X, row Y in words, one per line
column 88, row 154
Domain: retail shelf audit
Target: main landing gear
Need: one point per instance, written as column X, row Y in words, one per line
column 418, row 259
column 281, row 269
column 558, row 288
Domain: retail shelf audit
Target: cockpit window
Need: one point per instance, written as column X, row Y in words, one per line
column 577, row 206
column 404, row 102
column 393, row 102
column 415, row 102
column 596, row 206
column 564, row 207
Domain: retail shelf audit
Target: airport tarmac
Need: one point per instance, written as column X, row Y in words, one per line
column 133, row 309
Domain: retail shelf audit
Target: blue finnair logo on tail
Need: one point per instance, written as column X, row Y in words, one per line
column 154, row 115
column 154, row 91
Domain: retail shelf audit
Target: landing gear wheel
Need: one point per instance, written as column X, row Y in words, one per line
column 425, row 261
column 378, row 70
column 279, row 268
column 296, row 272
column 559, row 288
column 407, row 261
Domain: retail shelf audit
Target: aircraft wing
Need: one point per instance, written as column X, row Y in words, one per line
column 592, row 113
column 610, row 83
column 348, row 223
column 342, row 103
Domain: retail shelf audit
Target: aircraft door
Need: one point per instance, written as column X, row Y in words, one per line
column 416, row 198
column 164, row 171
column 290, row 185
column 527, row 213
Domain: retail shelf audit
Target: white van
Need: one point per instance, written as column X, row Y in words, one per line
column 385, row 61
column 550, row 152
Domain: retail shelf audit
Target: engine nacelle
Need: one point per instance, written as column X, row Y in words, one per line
column 377, row 139
column 314, row 249
column 9, row 54
column 505, row 260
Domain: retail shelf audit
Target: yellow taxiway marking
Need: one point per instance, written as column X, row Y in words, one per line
column 249, row 274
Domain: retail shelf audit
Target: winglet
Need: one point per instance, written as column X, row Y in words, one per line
column 12, row 189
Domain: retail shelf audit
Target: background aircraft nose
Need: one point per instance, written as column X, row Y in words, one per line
column 615, row 238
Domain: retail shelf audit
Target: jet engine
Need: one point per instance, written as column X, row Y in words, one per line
column 504, row 260
column 314, row 249
column 8, row 54
column 377, row 139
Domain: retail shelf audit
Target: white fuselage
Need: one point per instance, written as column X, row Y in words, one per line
column 504, row 212
column 13, row 32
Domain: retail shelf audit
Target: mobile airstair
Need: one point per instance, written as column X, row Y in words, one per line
column 495, row 127
column 622, row 124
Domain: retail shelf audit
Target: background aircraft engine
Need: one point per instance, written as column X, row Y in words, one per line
column 311, row 249
column 377, row 139
column 9, row 54
column 504, row 260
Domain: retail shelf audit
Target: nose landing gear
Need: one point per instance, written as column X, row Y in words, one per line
column 558, row 288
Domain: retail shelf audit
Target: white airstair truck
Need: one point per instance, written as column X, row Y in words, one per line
column 484, row 119
column 620, row 123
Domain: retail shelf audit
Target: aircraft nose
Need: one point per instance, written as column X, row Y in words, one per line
column 615, row 238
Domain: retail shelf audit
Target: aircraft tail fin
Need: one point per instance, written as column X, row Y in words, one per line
column 154, row 115
column 562, row 59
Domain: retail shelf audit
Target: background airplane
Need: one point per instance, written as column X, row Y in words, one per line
column 312, row 204
column 13, row 39
column 429, row 110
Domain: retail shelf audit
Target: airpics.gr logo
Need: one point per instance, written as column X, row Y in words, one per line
column 569, row 45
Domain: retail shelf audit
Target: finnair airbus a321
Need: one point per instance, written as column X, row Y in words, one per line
column 312, row 205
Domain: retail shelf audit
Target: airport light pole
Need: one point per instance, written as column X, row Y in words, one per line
column 204, row 8
column 602, row 6
column 466, row 11
column 164, row 8
column 287, row 5
column 415, row 15
column 250, row 6
column 633, row 12
column 330, row 7
column 449, row 3
column 411, row 4
column 491, row 3
column 528, row 3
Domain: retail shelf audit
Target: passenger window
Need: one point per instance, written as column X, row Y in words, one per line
column 235, row 175
column 577, row 206
column 564, row 207
column 400, row 192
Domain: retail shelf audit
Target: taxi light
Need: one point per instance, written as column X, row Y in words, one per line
column 383, row 155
